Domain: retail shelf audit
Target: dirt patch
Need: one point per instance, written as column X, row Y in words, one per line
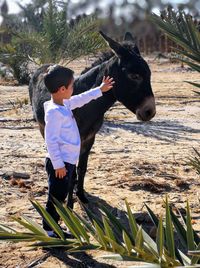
column 138, row 161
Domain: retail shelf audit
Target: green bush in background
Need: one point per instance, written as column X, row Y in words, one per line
column 44, row 34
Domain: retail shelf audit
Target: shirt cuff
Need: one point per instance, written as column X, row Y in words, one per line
column 97, row 92
column 57, row 164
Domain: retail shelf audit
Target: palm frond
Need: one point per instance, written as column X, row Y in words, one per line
column 142, row 249
column 181, row 29
column 194, row 161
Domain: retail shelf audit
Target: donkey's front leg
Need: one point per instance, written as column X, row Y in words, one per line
column 71, row 184
column 82, row 168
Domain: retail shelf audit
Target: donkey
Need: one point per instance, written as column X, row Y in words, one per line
column 132, row 88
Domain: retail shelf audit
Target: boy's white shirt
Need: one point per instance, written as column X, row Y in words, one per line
column 62, row 136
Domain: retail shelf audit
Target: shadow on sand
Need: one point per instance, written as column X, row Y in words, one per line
column 166, row 130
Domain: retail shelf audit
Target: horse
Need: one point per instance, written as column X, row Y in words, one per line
column 132, row 88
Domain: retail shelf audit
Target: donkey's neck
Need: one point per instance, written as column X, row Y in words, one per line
column 86, row 81
column 93, row 78
column 96, row 108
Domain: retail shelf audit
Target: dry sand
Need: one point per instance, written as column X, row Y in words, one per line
column 130, row 159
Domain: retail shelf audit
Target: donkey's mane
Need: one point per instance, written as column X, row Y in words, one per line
column 104, row 56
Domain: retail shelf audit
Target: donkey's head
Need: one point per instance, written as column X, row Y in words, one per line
column 133, row 78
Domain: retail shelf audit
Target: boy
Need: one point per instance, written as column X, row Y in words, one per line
column 61, row 132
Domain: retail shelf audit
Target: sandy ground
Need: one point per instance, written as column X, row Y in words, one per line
column 138, row 161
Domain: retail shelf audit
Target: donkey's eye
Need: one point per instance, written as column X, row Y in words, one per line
column 134, row 76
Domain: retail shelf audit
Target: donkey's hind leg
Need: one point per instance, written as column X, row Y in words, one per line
column 41, row 128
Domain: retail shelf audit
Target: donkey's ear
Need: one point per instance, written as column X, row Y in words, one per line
column 115, row 46
column 128, row 37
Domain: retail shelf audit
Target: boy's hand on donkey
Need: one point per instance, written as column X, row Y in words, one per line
column 61, row 173
column 107, row 83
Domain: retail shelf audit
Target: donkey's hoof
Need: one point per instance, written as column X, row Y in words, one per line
column 82, row 197
column 70, row 204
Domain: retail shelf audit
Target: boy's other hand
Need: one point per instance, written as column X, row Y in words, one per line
column 60, row 173
column 107, row 83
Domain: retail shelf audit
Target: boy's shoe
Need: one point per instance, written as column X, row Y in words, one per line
column 67, row 235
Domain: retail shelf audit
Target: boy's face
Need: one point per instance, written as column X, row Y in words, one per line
column 68, row 91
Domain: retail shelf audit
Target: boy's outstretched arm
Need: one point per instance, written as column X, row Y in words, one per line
column 92, row 94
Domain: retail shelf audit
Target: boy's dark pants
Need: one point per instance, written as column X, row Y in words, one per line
column 58, row 188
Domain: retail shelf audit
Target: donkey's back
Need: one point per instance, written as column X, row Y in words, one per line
column 38, row 94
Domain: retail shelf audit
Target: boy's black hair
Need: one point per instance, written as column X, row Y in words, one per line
column 57, row 77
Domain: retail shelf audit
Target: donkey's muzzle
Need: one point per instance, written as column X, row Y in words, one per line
column 147, row 110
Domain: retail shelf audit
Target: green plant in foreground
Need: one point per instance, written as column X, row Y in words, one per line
column 130, row 243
